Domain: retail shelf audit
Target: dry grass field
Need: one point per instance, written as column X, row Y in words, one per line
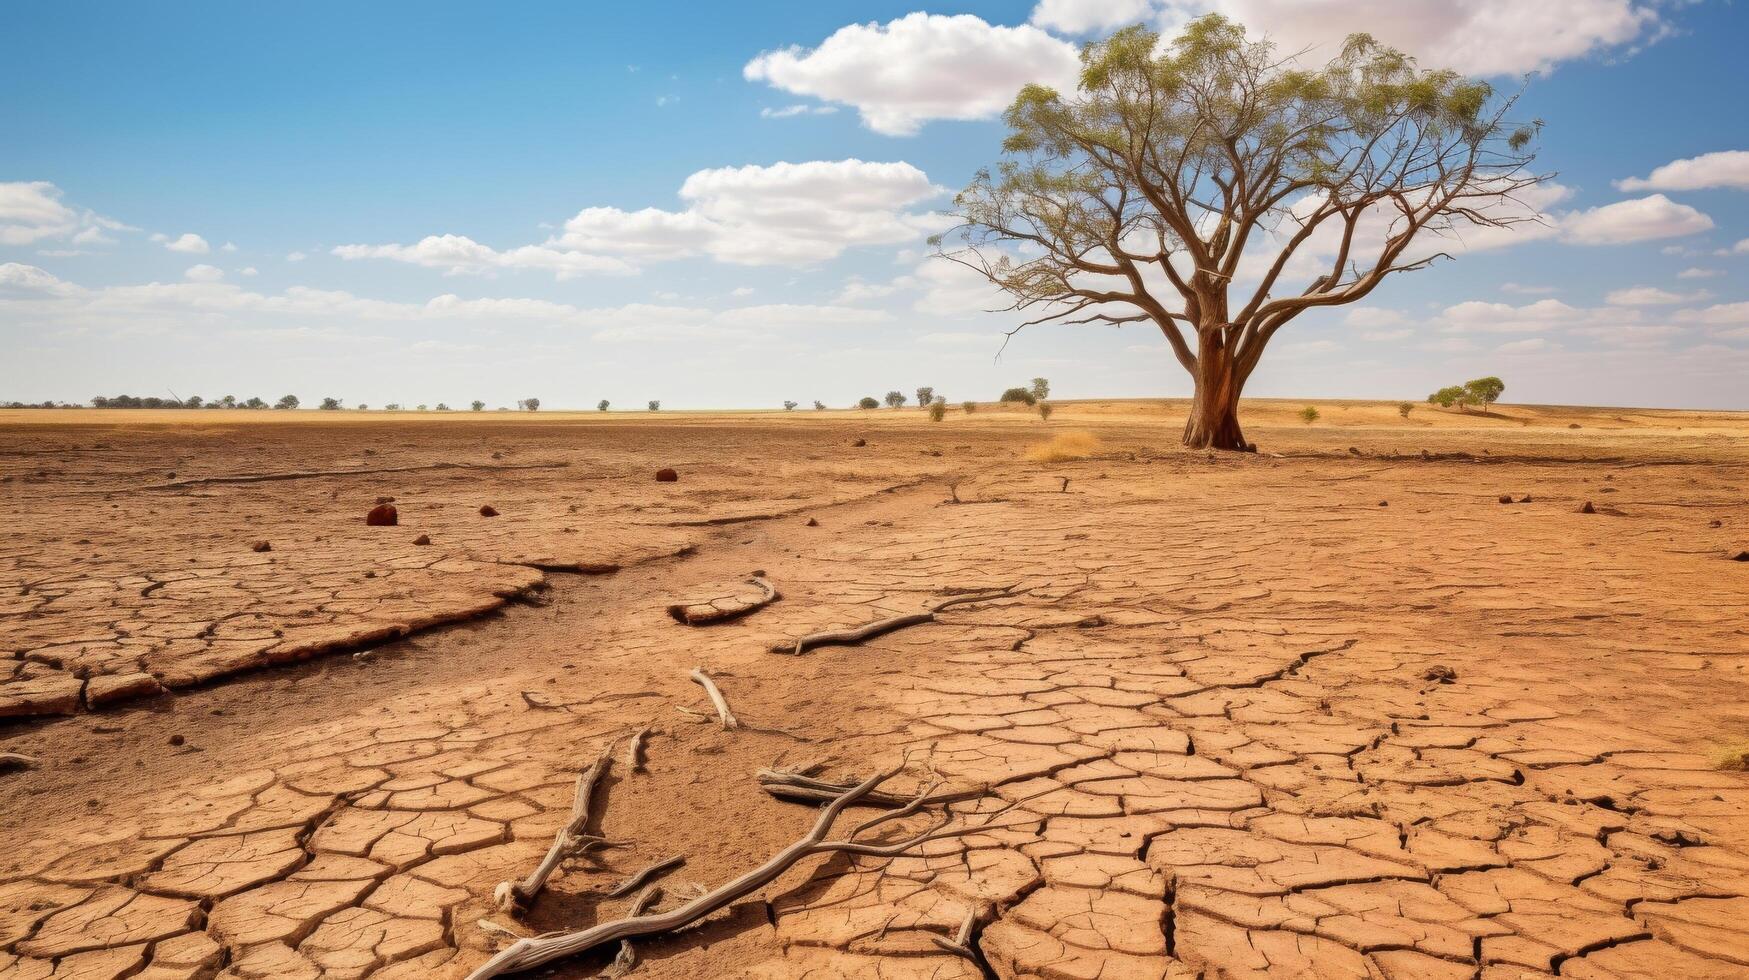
column 1337, row 709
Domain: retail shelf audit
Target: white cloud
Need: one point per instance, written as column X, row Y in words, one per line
column 920, row 67
column 1478, row 37
column 295, row 256
column 1485, row 317
column 228, row 247
column 203, row 273
column 1525, row 289
column 32, row 211
column 1528, row 345
column 457, row 254
column 1718, row 314
column 1088, row 16
column 1639, row 220
column 1696, row 272
column 1651, row 296
column 1374, row 316
column 18, row 279
column 247, row 270
column 739, row 291
column 1741, row 248
column 799, row 109
column 1726, row 168
column 188, row 243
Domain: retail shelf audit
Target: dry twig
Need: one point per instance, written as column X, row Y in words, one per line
column 868, row 631
column 571, row 840
column 722, row 704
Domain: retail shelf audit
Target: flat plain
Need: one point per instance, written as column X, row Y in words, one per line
column 1336, row 709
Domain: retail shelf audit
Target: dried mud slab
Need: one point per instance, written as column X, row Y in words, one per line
column 756, row 593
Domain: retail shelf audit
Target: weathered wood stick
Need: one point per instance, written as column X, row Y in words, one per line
column 710, row 687
column 635, row 750
column 572, row 839
column 868, row 631
column 631, row 884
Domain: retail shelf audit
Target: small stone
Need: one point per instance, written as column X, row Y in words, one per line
column 1574, row 425
column 1440, row 673
column 1586, row 508
column 860, row 443
column 385, row 500
column 1524, row 499
column 260, row 546
column 383, row 515
column 666, row 475
column 1384, row 503
column 1740, row 556
column 487, row 510
column 812, row 523
column 177, row 740
column 1506, row 498
column 422, row 539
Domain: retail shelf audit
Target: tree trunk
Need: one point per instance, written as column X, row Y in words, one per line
column 1214, row 409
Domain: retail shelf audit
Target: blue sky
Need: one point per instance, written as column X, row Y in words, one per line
column 247, row 198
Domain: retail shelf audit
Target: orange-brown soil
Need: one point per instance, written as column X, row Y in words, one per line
column 1331, row 710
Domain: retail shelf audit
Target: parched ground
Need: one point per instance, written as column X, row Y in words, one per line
column 1333, row 710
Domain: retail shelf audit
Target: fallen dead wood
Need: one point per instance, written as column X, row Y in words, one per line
column 632, row 884
column 536, row 951
column 961, row 943
column 726, row 716
column 803, row 788
column 627, row 957
column 725, row 608
column 635, row 750
column 571, row 840
column 10, row 761
column 317, row 474
column 868, row 631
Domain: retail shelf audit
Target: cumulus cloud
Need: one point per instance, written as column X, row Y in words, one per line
column 204, row 273
column 1697, row 272
column 920, row 67
column 799, row 109
column 1726, row 168
column 1639, row 220
column 1651, row 296
column 188, row 243
column 1089, row 16
column 32, row 211
column 782, row 214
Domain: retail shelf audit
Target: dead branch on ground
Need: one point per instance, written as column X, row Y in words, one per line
column 868, row 631
column 528, row 953
column 635, row 750
column 572, row 839
column 631, row 884
column 710, row 687
column 316, row 474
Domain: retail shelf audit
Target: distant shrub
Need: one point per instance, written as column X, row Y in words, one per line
column 392, row 407
column 1021, row 395
column 330, row 404
column 442, row 407
column 192, row 401
column 790, row 406
column 477, row 405
column 1447, row 397
column 529, row 404
column 969, row 407
column 287, row 402
column 1040, row 389
column 655, row 405
column 601, row 406
column 925, row 395
column 422, row 408
column 895, row 399
column 819, row 406
column 1065, row 446
column 363, row 407
column 1309, row 414
column 937, row 411
column 868, row 402
column 1044, row 411
column 1404, row 408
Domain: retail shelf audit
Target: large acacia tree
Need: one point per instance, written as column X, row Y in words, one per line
column 1185, row 184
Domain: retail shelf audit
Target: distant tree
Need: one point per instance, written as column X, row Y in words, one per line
column 287, row 402
column 1022, row 395
column 1447, row 397
column 1040, row 388
column 895, row 399
column 392, row 407
column 1485, row 391
column 969, row 407
column 868, row 402
column 477, row 405
column 193, row 401
column 1044, row 411
column 255, row 403
column 790, row 406
column 1138, row 193
column 1309, row 414
column 422, row 407
column 100, row 402
column 655, row 405
column 363, row 407
column 217, row 405
column 229, row 401
column 529, row 404
column 601, row 406
column 937, row 411
column 442, row 407
column 1404, row 408
column 330, row 404
column 819, row 406
column 925, row 395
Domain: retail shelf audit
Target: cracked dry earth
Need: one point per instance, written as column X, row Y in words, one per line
column 1206, row 728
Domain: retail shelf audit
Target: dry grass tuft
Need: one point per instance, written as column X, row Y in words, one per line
column 1732, row 758
column 1064, row 447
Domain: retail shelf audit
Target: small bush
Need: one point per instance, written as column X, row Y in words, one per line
column 969, row 407
column 790, row 406
column 1732, row 758
column 1044, row 411
column 442, row 407
column 1404, row 408
column 330, row 404
column 601, row 406
column 1040, row 389
column 868, row 402
column 477, row 405
column 1309, row 414
column 1019, row 395
column 895, row 399
column 1065, row 446
column 937, row 411
column 819, row 406
column 655, row 406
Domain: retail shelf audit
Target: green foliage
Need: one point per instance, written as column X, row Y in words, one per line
column 1040, row 388
column 528, row 404
column 1485, row 391
column 895, row 399
column 443, row 406
column 1044, row 411
column 392, row 407
column 819, row 406
column 868, row 402
column 1309, row 414
column 1404, row 408
column 286, row 402
column 937, row 411
column 790, row 406
column 1447, row 397
column 925, row 395
column 1022, row 395
column 601, row 406
column 330, row 404
column 477, row 405
column 969, row 407
column 655, row 406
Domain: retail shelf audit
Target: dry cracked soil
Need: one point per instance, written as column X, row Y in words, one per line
column 1332, row 710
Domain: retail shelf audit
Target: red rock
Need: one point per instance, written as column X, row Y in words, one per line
column 261, row 546
column 1506, row 498
column 487, row 510
column 1740, row 556
column 1587, row 508
column 422, row 539
column 383, row 515
column 667, row 476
